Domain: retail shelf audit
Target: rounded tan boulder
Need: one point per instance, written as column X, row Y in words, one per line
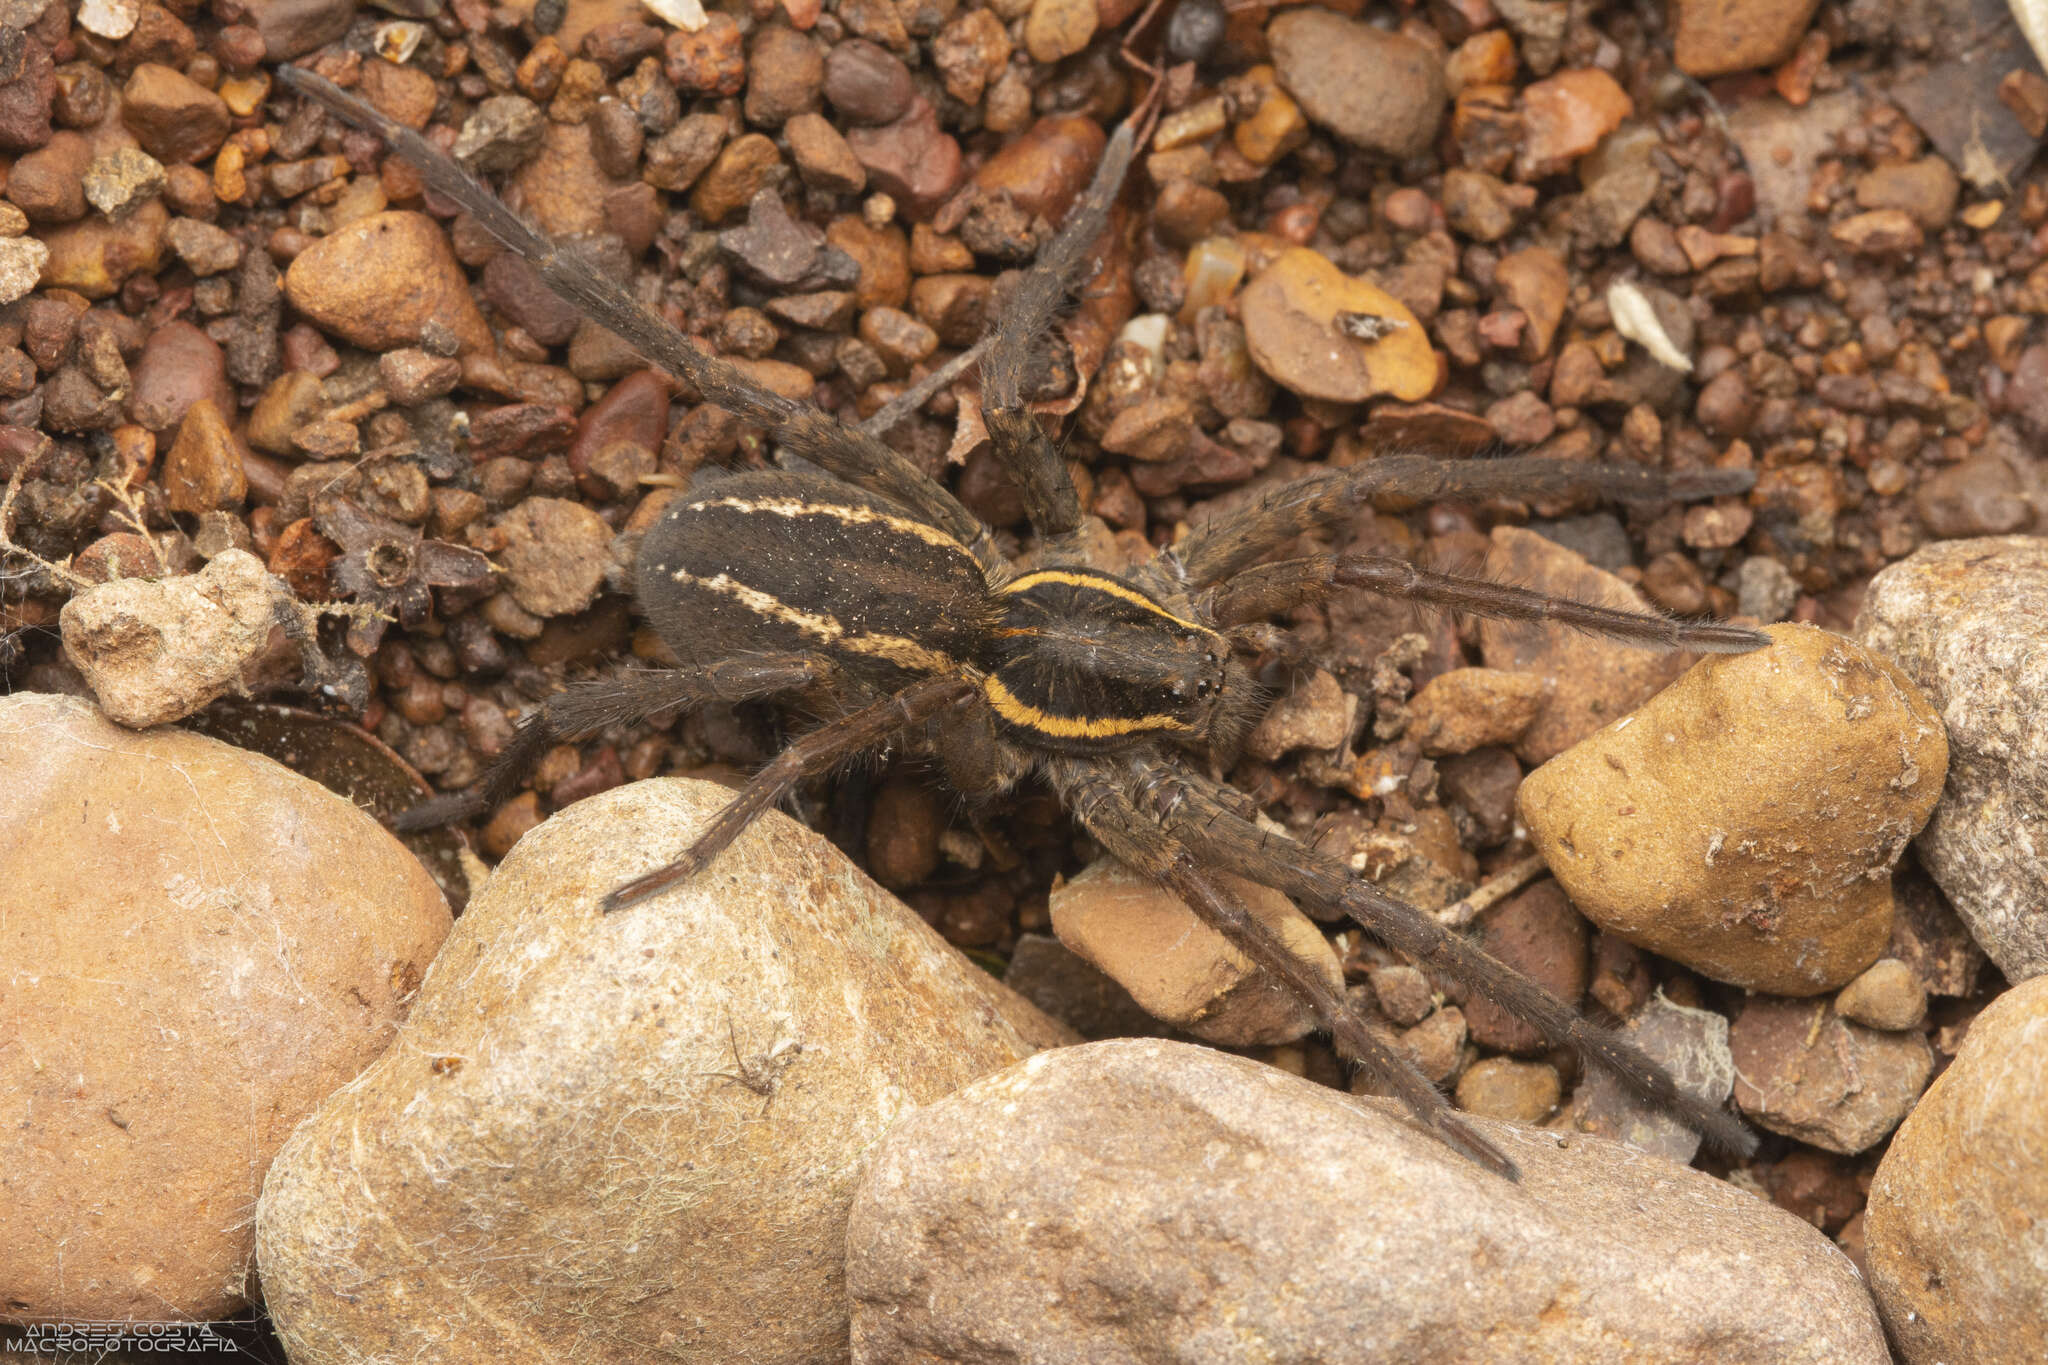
column 1745, row 820
column 1959, row 1207
column 1147, row 1201
column 200, row 946
column 628, row 1136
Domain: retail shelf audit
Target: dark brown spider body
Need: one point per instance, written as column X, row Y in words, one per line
column 872, row 593
column 1068, row 659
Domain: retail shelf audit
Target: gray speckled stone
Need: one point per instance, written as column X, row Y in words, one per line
column 1141, row 1200
column 1968, row 621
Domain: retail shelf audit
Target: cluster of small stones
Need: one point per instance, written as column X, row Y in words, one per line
column 247, row 331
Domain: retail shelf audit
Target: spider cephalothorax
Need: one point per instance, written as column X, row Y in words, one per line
column 872, row 594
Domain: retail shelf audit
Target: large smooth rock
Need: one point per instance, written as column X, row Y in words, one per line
column 1957, row 1227
column 614, row 1137
column 1140, row 1200
column 1967, row 620
column 1745, row 821
column 200, row 946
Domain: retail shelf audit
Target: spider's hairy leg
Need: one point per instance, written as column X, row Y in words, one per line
column 1026, row 317
column 1195, row 809
column 1268, row 589
column 1096, row 797
column 848, row 452
column 602, row 703
column 1218, row 548
column 822, row 748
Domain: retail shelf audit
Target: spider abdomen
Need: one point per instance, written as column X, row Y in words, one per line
column 790, row 563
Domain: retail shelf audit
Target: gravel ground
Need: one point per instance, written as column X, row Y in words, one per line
column 1746, row 235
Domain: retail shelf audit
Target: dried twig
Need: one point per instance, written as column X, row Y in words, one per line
column 1492, row 891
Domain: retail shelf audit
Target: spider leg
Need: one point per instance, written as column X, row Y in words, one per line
column 597, row 705
column 1096, row 796
column 1216, row 549
column 820, row 749
column 1189, row 805
column 848, row 452
column 1026, row 317
column 1268, row 589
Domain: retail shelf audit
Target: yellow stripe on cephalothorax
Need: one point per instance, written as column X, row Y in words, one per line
column 1022, row 713
column 1102, row 583
column 839, row 512
column 895, row 649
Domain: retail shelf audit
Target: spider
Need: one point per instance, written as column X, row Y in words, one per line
column 874, row 597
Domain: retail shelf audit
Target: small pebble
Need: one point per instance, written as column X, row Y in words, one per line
column 1534, row 280
column 555, row 556
column 1469, row 708
column 1764, row 590
column 499, row 135
column 785, row 76
column 1805, row 1072
column 1692, row 1044
column 866, row 83
column 204, row 470
column 912, row 160
column 382, row 281
column 179, row 366
column 1404, row 993
column 1879, row 233
column 1925, row 190
column 1295, row 312
column 1316, row 714
column 1057, row 29
column 1378, row 90
column 1721, row 37
column 154, row 650
column 174, row 117
column 1887, row 996
column 1179, row 969
column 1592, row 681
column 1044, row 171
column 204, row 248
column 1540, row 935
column 1501, row 1088
column 97, row 256
column 121, row 179
column 1565, row 117
column 823, row 157
column 22, row 260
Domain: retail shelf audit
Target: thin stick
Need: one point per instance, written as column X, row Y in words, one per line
column 1492, row 891
column 891, row 413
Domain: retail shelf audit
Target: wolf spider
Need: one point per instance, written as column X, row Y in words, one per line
column 873, row 597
